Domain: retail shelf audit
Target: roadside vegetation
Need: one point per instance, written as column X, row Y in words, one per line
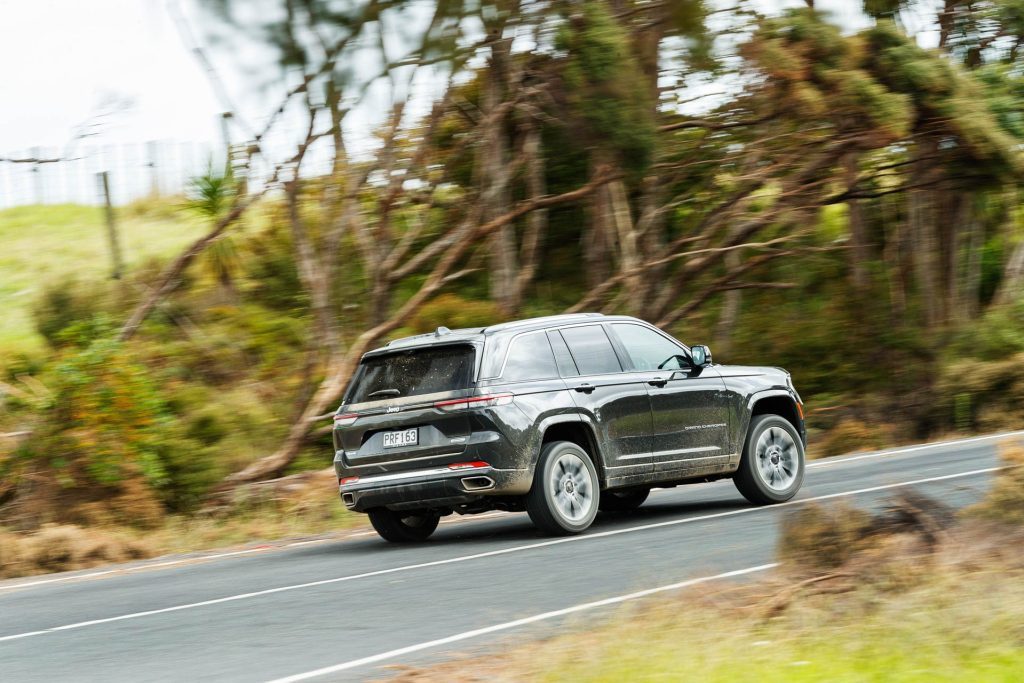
column 910, row 593
column 850, row 211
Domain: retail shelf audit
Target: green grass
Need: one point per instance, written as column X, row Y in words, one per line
column 39, row 244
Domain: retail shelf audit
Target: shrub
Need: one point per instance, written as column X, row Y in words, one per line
column 821, row 538
column 64, row 304
column 110, row 446
column 1005, row 500
column 848, row 436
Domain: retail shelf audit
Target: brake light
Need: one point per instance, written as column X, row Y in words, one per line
column 347, row 480
column 476, row 464
column 345, row 420
column 456, row 404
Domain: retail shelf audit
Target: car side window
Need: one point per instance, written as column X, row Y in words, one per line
column 591, row 349
column 647, row 349
column 566, row 365
column 529, row 357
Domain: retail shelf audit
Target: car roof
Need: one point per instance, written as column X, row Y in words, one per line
column 443, row 335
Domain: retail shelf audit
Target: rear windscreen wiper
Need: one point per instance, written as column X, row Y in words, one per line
column 385, row 392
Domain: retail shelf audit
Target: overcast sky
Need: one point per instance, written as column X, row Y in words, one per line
column 63, row 59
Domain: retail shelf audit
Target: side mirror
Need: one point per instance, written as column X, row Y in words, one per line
column 700, row 355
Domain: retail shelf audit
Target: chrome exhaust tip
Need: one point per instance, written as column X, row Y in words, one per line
column 477, row 483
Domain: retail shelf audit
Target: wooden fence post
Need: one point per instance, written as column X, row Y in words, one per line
column 115, row 245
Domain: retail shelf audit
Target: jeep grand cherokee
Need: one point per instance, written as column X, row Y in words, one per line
column 559, row 416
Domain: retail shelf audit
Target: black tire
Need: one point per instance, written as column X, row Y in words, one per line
column 403, row 527
column 565, row 479
column 756, row 470
column 625, row 500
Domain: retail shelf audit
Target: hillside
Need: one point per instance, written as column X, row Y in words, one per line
column 43, row 244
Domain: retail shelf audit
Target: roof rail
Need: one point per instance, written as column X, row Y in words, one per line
column 563, row 317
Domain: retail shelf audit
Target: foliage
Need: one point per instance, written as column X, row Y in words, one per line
column 605, row 87
column 109, row 446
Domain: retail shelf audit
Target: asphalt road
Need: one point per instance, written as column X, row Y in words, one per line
column 340, row 610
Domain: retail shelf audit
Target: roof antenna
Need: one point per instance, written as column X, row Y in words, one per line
column 442, row 331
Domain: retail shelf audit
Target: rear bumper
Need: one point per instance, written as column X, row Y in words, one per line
column 429, row 488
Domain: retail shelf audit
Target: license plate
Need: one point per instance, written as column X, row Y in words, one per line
column 405, row 437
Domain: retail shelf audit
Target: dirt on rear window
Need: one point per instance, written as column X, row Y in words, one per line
column 413, row 372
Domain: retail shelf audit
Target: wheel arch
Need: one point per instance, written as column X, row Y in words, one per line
column 575, row 429
column 773, row 402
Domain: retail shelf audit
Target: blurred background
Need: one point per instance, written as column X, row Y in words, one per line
column 209, row 209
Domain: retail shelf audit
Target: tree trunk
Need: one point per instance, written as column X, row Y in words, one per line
column 492, row 162
column 731, row 302
column 921, row 218
column 312, row 274
column 537, row 221
column 859, row 252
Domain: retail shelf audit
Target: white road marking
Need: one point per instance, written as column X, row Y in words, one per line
column 495, row 553
column 466, row 635
column 825, row 462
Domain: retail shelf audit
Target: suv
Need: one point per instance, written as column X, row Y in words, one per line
column 559, row 416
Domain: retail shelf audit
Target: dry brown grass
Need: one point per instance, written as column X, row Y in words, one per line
column 56, row 548
column 300, row 506
column 1005, row 501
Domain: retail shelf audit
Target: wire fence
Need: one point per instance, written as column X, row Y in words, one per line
column 136, row 171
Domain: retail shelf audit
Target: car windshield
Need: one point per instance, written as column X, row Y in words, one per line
column 413, row 372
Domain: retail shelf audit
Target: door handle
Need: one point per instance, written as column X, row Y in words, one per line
column 658, row 381
column 585, row 388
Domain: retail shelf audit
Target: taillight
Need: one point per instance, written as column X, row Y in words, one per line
column 345, row 420
column 456, row 404
column 468, row 465
column 347, row 480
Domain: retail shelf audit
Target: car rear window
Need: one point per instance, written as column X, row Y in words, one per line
column 413, row 372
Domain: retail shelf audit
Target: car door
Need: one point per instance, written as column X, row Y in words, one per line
column 613, row 400
column 689, row 406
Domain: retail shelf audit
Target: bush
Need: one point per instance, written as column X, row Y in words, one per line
column 848, row 436
column 110, row 448
column 64, row 304
column 822, row 538
column 982, row 395
column 1005, row 500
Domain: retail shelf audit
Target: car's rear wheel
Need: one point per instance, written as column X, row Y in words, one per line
column 565, row 495
column 772, row 466
column 624, row 500
column 403, row 527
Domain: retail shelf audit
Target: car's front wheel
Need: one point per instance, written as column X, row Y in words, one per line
column 565, row 494
column 772, row 466
column 403, row 527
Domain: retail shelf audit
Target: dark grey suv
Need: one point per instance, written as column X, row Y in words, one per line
column 560, row 417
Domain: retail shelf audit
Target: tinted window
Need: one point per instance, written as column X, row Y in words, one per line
column 529, row 357
column 566, row 366
column 647, row 349
column 413, row 372
column 591, row 350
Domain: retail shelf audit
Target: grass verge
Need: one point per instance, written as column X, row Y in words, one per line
column 310, row 507
column 911, row 594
